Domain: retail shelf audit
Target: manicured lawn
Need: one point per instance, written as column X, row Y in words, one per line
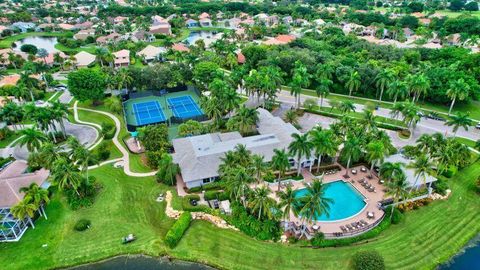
column 137, row 163
column 88, row 48
column 7, row 42
column 468, row 142
column 126, row 205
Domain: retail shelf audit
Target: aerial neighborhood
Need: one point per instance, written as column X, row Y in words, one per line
column 239, row 134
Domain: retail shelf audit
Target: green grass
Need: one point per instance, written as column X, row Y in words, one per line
column 467, row 142
column 56, row 95
column 137, row 164
column 88, row 48
column 7, row 42
column 5, row 142
column 426, row 237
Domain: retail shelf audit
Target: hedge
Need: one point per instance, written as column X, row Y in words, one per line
column 178, row 229
column 215, row 195
column 210, row 186
column 368, row 260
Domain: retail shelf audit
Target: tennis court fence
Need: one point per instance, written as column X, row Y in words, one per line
column 159, row 93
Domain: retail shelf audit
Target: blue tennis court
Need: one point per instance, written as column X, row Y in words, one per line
column 184, row 107
column 148, row 112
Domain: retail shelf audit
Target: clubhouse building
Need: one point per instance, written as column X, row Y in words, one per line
column 200, row 156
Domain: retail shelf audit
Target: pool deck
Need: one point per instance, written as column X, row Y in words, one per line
column 371, row 198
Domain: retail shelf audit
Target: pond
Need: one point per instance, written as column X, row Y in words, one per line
column 141, row 263
column 208, row 37
column 467, row 258
column 47, row 43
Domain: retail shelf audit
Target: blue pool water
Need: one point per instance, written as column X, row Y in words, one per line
column 346, row 200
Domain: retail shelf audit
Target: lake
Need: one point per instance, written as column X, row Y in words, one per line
column 47, row 43
column 141, row 263
column 208, row 37
column 468, row 258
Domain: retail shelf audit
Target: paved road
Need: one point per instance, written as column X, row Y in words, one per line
column 118, row 144
column 66, row 97
column 424, row 126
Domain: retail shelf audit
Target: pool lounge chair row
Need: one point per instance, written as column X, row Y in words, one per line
column 354, row 226
column 330, row 172
column 368, row 186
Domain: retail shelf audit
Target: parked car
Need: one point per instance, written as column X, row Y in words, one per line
column 435, row 116
column 477, row 126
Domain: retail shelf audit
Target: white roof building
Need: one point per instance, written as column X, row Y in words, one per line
column 150, row 52
column 84, row 59
column 200, row 156
column 410, row 173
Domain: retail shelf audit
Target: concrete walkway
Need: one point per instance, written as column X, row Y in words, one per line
column 118, row 144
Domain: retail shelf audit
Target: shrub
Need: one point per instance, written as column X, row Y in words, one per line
column 477, row 186
column 210, row 186
column 440, row 186
column 212, row 195
column 368, row 260
column 451, row 171
column 316, row 241
column 396, row 217
column 108, row 131
column 82, row 225
column 178, row 229
column 310, row 103
column 103, row 151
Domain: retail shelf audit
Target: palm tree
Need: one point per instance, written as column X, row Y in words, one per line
column 24, row 209
column 65, row 175
column 351, row 151
column 457, row 90
column 49, row 153
column 389, row 170
column 397, row 89
column 83, row 157
column 288, row 202
column 291, row 117
column 59, row 113
column 323, row 142
column 460, row 120
column 323, row 89
column 422, row 167
column 12, row 114
column 237, row 183
column 346, row 106
column 280, row 163
column 211, row 108
column 167, row 170
column 43, row 53
column 32, row 138
column 246, row 119
column 36, row 195
column 418, row 84
column 369, row 120
column 397, row 188
column 300, row 147
column 261, row 203
column 375, row 154
column 383, row 80
column 314, row 204
column 259, row 167
column 353, row 82
column 300, row 79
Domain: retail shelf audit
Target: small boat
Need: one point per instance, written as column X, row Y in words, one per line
column 129, row 238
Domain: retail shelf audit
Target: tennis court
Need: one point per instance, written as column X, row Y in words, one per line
column 184, row 107
column 148, row 112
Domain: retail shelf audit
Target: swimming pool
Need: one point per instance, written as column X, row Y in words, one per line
column 347, row 201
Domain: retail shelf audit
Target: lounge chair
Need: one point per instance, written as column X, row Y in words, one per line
column 343, row 229
column 364, row 222
column 349, row 227
column 354, row 225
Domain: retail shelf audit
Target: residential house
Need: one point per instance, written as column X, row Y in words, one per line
column 12, row 179
column 122, row 58
column 280, row 40
column 301, row 22
column 408, row 32
column 84, row 59
column 425, row 21
column 287, row 20
column 191, row 23
column 111, row 38
column 319, row 22
column 65, row 26
column 204, row 15
column 84, row 34
column 10, row 80
column 119, row 20
column 164, row 29
column 454, row 39
column 142, row 35
column 199, row 157
column 152, row 53
column 23, row 26
column 180, row 47
column 50, row 59
column 157, row 20
column 205, row 22
column 412, row 180
column 83, row 26
column 241, row 58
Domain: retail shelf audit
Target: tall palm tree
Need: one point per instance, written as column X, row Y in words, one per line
column 65, row 175
column 397, row 188
column 300, row 147
column 383, row 80
column 422, row 167
column 237, row 183
column 280, row 163
column 261, row 203
column 291, row 117
column 167, row 170
column 397, row 89
column 36, row 195
column 314, row 204
column 353, row 82
column 83, row 157
column 246, row 119
column 288, row 202
column 368, row 119
column 24, row 209
column 323, row 89
column 59, row 113
column 460, row 120
column 32, row 138
column 375, row 154
column 259, row 167
column 390, row 171
column 323, row 143
column 457, row 90
column 351, row 150
column 418, row 84
column 300, row 79
column 49, row 153
column 12, row 114
column 211, row 108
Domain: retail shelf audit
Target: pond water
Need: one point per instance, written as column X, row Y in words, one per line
column 47, row 43
column 468, row 258
column 141, row 263
column 208, row 37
